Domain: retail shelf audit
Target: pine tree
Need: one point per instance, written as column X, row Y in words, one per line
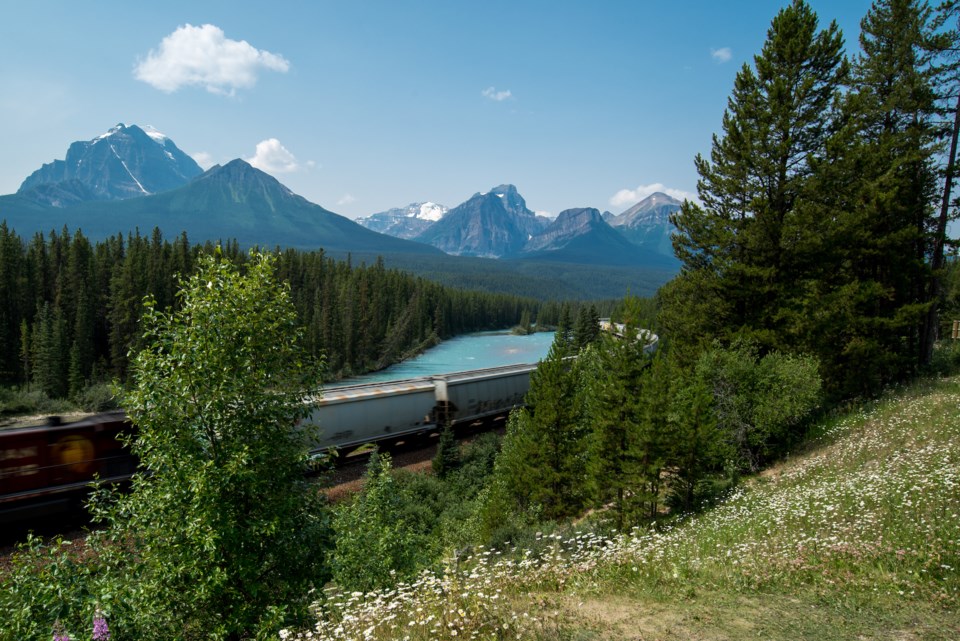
column 866, row 235
column 773, row 126
column 447, row 458
column 587, row 329
column 697, row 446
column 623, row 453
column 543, row 464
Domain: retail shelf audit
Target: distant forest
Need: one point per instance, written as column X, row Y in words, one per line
column 70, row 309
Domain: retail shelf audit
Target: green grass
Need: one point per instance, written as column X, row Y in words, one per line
column 857, row 537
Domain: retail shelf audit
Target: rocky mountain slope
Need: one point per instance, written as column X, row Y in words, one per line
column 647, row 223
column 493, row 224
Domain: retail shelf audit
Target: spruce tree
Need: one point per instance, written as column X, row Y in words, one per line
column 758, row 168
column 620, row 461
column 543, row 464
column 866, row 232
column 447, row 458
column 697, row 446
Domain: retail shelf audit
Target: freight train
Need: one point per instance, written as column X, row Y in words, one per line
column 46, row 469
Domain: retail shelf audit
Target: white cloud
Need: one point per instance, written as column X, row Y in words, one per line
column 273, row 158
column 346, row 199
column 493, row 94
column 631, row 197
column 203, row 159
column 721, row 55
column 203, row 56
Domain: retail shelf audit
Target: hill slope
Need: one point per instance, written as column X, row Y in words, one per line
column 856, row 539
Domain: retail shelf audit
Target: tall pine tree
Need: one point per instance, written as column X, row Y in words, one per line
column 734, row 244
column 869, row 221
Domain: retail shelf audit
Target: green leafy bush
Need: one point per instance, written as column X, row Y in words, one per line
column 375, row 543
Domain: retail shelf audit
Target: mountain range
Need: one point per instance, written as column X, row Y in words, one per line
column 137, row 178
column 498, row 224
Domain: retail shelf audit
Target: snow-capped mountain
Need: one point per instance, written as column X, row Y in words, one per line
column 125, row 162
column 405, row 222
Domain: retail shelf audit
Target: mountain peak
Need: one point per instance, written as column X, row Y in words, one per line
column 657, row 199
column 655, row 208
column 240, row 182
column 125, row 162
column 490, row 224
column 511, row 200
column 581, row 235
column 569, row 224
column 647, row 224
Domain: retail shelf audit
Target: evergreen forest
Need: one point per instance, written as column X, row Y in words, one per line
column 70, row 309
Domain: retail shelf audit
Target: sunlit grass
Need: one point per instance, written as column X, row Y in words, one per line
column 865, row 523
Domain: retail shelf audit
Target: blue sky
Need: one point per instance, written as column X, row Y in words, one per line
column 365, row 105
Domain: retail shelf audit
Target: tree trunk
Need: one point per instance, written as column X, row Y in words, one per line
column 938, row 242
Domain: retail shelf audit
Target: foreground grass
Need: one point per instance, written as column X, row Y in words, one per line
column 857, row 538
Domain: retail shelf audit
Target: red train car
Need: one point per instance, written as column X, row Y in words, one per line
column 43, row 470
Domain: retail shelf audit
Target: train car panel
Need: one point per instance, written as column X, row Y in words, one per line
column 475, row 395
column 43, row 468
column 350, row 416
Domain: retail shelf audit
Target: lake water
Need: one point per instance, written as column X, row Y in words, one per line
column 471, row 351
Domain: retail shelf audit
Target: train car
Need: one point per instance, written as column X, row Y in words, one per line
column 357, row 414
column 45, row 469
column 467, row 397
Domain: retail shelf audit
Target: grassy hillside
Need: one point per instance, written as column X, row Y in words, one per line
column 856, row 538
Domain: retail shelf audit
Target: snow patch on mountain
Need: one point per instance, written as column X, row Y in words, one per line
column 156, row 135
column 431, row 211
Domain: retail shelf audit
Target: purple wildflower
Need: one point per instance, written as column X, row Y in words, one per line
column 100, row 630
column 59, row 634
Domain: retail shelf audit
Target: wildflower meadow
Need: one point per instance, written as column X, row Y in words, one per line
column 858, row 535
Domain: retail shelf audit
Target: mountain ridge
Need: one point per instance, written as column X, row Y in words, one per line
column 132, row 177
column 231, row 201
